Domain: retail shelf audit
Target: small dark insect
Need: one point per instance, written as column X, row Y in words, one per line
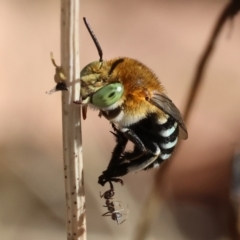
column 59, row 78
column 110, row 204
column 131, row 97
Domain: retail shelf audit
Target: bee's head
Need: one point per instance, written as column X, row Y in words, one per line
column 97, row 86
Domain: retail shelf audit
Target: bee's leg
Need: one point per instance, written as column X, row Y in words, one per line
column 121, row 142
column 150, row 151
column 130, row 166
column 135, row 139
column 136, row 153
column 156, row 163
column 115, row 128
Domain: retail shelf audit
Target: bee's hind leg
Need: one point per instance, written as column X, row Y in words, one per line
column 145, row 153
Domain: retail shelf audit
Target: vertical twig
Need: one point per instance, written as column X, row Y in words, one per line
column 71, row 118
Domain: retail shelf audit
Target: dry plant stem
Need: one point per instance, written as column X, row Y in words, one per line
column 154, row 202
column 229, row 10
column 71, row 116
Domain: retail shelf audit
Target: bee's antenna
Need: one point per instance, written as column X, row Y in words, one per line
column 100, row 52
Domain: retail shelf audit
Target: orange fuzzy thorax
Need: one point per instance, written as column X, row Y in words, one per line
column 139, row 83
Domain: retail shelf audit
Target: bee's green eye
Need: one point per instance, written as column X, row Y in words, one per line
column 107, row 95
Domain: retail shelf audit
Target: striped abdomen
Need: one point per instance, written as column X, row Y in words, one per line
column 163, row 132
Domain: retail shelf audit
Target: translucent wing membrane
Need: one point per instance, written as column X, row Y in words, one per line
column 166, row 105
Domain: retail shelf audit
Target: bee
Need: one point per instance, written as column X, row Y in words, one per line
column 131, row 97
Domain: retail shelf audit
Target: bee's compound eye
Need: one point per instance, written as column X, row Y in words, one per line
column 107, row 95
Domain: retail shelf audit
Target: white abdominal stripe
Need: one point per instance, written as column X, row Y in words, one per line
column 169, row 144
column 169, row 131
column 169, row 138
column 166, row 151
column 165, row 156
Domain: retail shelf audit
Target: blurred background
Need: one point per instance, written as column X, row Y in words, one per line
column 167, row 36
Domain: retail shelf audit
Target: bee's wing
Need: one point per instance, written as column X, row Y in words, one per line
column 166, row 105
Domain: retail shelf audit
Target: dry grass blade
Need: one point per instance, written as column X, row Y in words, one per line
column 71, row 117
column 154, row 203
column 228, row 12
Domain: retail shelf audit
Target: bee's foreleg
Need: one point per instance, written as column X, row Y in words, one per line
column 134, row 138
column 121, row 142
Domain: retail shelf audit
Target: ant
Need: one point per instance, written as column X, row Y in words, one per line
column 110, row 205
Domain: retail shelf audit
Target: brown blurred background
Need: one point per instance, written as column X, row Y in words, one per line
column 168, row 36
